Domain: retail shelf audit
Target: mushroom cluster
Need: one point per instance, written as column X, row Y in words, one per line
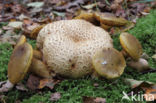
column 72, row 49
column 68, row 46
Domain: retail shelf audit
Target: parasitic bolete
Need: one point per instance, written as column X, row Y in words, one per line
column 132, row 47
column 67, row 48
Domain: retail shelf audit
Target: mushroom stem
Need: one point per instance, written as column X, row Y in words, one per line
column 7, row 86
column 140, row 65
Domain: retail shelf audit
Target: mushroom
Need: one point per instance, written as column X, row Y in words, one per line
column 20, row 58
column 132, row 47
column 110, row 19
column 109, row 63
column 18, row 65
column 68, row 46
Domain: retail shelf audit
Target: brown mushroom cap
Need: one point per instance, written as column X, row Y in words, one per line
column 109, row 63
column 21, row 40
column 19, row 62
column 68, row 46
column 88, row 17
column 109, row 19
column 39, row 68
column 37, row 54
column 131, row 45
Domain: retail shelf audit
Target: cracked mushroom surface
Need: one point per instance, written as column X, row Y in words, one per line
column 68, row 46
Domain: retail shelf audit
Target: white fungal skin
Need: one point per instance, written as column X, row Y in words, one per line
column 68, row 46
column 140, row 65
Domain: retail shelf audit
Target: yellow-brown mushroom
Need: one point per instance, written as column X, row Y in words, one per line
column 131, row 45
column 109, row 19
column 133, row 48
column 109, row 63
column 19, row 62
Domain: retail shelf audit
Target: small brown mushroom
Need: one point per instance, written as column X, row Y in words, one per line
column 21, row 40
column 37, row 54
column 109, row 63
column 140, row 65
column 131, row 45
column 133, row 48
column 39, row 68
column 19, row 62
column 110, row 19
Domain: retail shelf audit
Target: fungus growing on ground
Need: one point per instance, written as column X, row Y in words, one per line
column 18, row 65
column 109, row 63
column 133, row 48
column 39, row 68
column 109, row 19
column 87, row 16
column 20, row 58
column 21, row 40
column 68, row 46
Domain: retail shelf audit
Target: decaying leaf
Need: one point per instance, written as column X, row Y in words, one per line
column 150, row 94
column 21, row 87
column 35, row 4
column 135, row 83
column 15, row 24
column 33, row 82
column 55, row 96
column 90, row 6
column 28, row 26
column 148, row 87
column 50, row 83
column 93, row 100
column 9, row 37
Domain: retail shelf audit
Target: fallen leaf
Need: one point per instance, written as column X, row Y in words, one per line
column 33, row 82
column 148, row 87
column 35, row 4
column 93, row 100
column 21, row 87
column 55, row 96
column 50, row 83
column 15, row 24
column 90, row 6
column 135, row 83
column 69, row 5
column 9, row 37
column 22, row 17
column 150, row 94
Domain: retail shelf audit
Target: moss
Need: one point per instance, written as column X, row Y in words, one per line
column 5, row 52
column 72, row 91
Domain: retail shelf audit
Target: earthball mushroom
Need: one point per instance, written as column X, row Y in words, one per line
column 68, row 46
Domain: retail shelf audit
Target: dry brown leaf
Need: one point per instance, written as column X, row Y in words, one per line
column 21, row 87
column 50, row 83
column 55, row 96
column 87, row 16
column 28, row 26
column 33, row 82
column 150, row 93
column 93, row 100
